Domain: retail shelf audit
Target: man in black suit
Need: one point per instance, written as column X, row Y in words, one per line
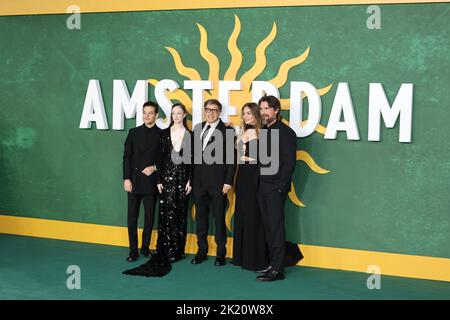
column 212, row 179
column 274, row 186
column 139, row 164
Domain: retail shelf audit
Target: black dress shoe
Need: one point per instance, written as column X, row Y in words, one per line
column 271, row 275
column 220, row 261
column 199, row 258
column 146, row 254
column 264, row 270
column 132, row 258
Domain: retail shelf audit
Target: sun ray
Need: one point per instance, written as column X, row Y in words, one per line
column 190, row 73
column 324, row 90
column 286, row 122
column 230, row 210
column 294, row 198
column 260, row 59
column 286, row 103
column 321, row 91
column 319, row 129
column 306, row 157
column 282, row 76
column 193, row 212
column 208, row 56
column 183, row 97
column 236, row 55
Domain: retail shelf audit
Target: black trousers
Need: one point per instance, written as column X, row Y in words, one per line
column 134, row 203
column 204, row 197
column 271, row 203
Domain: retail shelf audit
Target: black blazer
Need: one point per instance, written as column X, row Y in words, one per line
column 213, row 175
column 141, row 150
column 287, row 159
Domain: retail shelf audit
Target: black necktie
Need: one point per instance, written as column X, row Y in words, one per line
column 205, row 133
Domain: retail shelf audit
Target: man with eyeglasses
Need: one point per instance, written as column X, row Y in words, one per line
column 212, row 181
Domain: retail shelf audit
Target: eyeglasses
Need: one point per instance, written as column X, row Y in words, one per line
column 208, row 110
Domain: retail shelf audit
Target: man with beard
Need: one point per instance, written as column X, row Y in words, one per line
column 273, row 188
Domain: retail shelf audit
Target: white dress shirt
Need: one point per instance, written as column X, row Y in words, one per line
column 210, row 132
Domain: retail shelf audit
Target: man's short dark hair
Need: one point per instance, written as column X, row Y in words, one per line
column 213, row 101
column 151, row 104
column 273, row 102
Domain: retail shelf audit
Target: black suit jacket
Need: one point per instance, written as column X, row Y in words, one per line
column 213, row 175
column 287, row 159
column 141, row 150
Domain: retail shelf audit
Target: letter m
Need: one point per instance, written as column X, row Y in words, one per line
column 124, row 105
column 379, row 107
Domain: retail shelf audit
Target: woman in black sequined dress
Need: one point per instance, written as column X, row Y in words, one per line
column 173, row 178
column 174, row 173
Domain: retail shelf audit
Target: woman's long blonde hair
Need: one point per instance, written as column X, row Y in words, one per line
column 254, row 109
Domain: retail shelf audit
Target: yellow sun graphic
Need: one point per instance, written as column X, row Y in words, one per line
column 239, row 98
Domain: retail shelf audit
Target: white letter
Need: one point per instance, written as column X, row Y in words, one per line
column 295, row 111
column 224, row 97
column 123, row 104
column 164, row 102
column 378, row 104
column 342, row 104
column 93, row 109
column 197, row 87
column 261, row 87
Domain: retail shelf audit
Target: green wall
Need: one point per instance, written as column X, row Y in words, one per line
column 383, row 196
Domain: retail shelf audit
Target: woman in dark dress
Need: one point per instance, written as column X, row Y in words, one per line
column 174, row 173
column 249, row 244
column 173, row 177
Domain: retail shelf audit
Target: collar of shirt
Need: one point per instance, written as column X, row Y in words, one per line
column 273, row 126
column 210, row 132
column 212, row 125
column 151, row 128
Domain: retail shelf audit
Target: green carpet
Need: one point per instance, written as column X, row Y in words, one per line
column 34, row 268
